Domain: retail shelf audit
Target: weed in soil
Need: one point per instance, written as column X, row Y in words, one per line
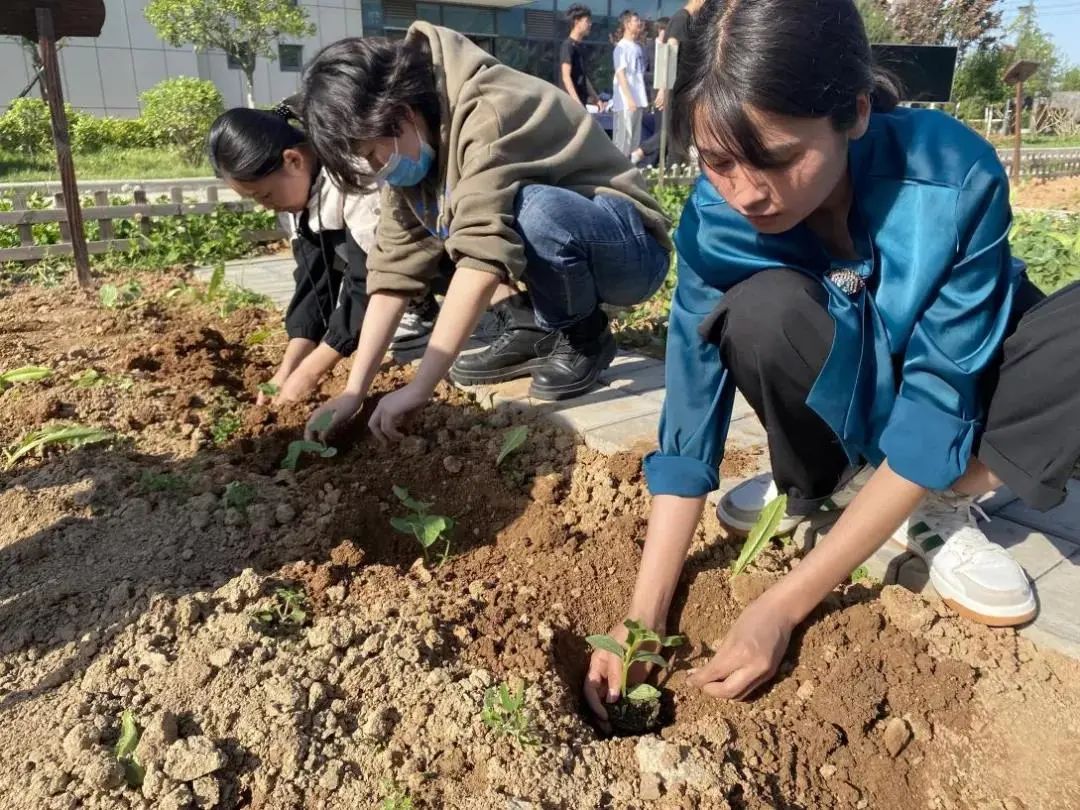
column 114, row 297
column 515, row 437
column 638, row 708
column 53, row 436
column 134, row 772
column 238, row 496
column 428, row 529
column 286, row 614
column 504, row 712
column 23, row 375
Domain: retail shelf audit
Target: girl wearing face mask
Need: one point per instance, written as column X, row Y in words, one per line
column 845, row 264
column 262, row 156
column 509, row 177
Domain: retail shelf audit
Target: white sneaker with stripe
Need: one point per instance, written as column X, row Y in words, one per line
column 740, row 507
column 975, row 577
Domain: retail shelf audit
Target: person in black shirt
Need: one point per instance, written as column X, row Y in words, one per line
column 572, row 77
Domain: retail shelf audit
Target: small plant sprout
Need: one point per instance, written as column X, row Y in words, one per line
column 860, row 574
column 301, row 446
column 113, row 297
column 504, row 712
column 762, row 532
column 238, row 495
column 428, row 529
column 88, row 378
column 514, row 438
column 286, row 611
column 258, row 336
column 632, row 653
column 396, row 798
column 125, row 750
column 171, row 483
column 24, row 374
column 270, row 389
column 64, row 435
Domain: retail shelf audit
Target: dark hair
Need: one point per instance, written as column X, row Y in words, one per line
column 799, row 58
column 577, row 12
column 620, row 29
column 248, row 144
column 360, row 89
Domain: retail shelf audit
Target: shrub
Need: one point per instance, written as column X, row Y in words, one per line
column 180, row 112
column 25, row 127
column 92, row 134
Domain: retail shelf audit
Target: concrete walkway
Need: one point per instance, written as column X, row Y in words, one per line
column 623, row 413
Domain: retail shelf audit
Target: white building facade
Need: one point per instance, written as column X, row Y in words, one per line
column 105, row 76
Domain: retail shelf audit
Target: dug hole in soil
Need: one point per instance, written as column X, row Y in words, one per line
column 129, row 580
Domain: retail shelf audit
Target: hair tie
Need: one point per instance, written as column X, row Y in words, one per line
column 284, row 110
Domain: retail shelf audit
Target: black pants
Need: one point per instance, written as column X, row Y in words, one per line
column 775, row 332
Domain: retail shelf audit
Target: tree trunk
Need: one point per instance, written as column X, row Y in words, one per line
column 249, row 86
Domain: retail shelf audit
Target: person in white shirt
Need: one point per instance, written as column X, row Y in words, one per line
column 631, row 98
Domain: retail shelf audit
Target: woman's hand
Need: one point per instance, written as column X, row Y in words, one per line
column 297, row 386
column 279, row 379
column 603, row 681
column 394, row 407
column 344, row 407
column 750, row 653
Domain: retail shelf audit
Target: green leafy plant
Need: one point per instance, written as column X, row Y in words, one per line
column 428, row 529
column 180, row 111
column 270, row 389
column 259, row 336
column 287, row 611
column 396, row 798
column 113, row 297
column 504, row 712
column 514, row 438
column 238, row 495
column 65, row 435
column 23, row 374
column 124, row 751
column 171, row 483
column 763, row 530
column 860, row 574
column 1049, row 244
column 88, row 378
column 300, row 446
column 226, row 417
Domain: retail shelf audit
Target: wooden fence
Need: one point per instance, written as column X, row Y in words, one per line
column 105, row 213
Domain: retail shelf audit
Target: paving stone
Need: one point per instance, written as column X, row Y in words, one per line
column 994, row 502
column 1058, row 622
column 1035, row 551
column 1063, row 521
column 639, row 434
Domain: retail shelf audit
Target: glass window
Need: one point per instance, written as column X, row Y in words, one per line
column 511, row 22
column 513, row 53
column 290, row 57
column 469, row 20
column 429, row 12
column 542, row 59
column 602, row 28
column 600, row 67
column 232, row 62
column 372, row 15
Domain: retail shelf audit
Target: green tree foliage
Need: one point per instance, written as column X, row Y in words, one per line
column 243, row 29
column 180, row 112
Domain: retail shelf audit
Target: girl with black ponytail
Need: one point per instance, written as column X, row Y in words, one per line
column 263, row 156
column 844, row 263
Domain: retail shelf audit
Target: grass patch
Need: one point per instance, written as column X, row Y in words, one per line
column 107, row 164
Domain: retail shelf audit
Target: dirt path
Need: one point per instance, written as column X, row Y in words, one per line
column 130, row 573
column 1062, row 194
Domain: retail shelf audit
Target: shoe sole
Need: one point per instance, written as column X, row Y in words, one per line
column 501, row 375
column 980, row 614
column 558, row 392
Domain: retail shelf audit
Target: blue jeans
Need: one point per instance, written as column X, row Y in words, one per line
column 581, row 253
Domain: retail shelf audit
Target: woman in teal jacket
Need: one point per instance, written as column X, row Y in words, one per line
column 845, row 264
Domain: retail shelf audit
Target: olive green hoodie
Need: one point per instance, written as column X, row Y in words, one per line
column 499, row 130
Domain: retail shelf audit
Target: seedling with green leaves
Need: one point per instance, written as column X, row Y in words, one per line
column 638, row 709
column 286, row 612
column 91, row 378
column 114, row 297
column 124, row 751
column 301, row 446
column 504, row 712
column 396, row 798
column 54, row 435
column 171, row 483
column 428, row 529
column 764, row 529
column 514, row 438
column 258, row 336
column 270, row 389
column 226, row 414
column 238, row 495
column 24, row 374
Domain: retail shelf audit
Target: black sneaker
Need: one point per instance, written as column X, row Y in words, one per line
column 582, row 353
column 517, row 350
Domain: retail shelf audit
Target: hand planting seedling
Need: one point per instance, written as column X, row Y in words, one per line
column 504, row 712
column 65, row 435
column 762, row 532
column 124, row 751
column 113, row 297
column 515, row 437
column 301, row 446
column 286, row 612
column 427, row 529
column 638, row 708
column 269, row 388
column 23, row 375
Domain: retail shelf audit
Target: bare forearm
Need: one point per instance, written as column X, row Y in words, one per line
column 672, row 523
column 468, row 297
column 878, row 510
column 624, row 87
column 295, row 352
column 380, row 321
column 319, row 361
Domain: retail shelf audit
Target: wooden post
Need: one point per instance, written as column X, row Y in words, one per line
column 101, row 199
column 47, row 47
column 26, row 231
column 1015, row 173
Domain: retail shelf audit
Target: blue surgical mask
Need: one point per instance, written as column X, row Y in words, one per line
column 401, row 170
